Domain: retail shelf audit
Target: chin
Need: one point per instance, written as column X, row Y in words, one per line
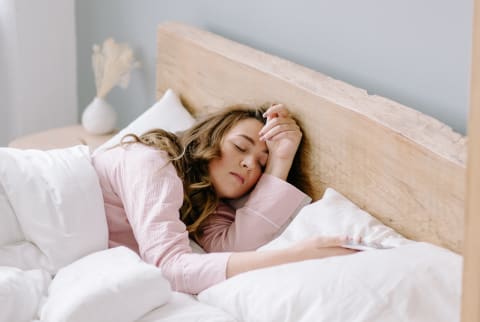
column 233, row 195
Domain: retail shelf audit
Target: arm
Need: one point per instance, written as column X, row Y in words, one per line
column 315, row 248
column 268, row 208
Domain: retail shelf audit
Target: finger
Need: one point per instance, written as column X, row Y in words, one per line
column 278, row 133
column 272, row 129
column 276, row 110
column 276, row 122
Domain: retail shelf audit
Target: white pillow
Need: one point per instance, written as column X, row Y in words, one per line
column 335, row 215
column 110, row 285
column 413, row 282
column 168, row 114
column 57, row 200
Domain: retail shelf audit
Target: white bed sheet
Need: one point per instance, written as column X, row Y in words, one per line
column 186, row 308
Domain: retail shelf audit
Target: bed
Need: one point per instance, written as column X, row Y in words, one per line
column 372, row 166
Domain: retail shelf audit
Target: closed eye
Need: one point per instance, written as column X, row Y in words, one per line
column 240, row 148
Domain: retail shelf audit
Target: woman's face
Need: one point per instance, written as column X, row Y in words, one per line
column 243, row 158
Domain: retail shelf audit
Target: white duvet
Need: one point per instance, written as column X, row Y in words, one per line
column 55, row 265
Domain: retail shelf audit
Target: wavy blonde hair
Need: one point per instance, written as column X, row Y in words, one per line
column 190, row 153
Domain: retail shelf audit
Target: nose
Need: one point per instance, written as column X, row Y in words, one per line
column 247, row 163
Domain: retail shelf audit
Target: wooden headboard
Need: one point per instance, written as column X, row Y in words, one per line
column 405, row 168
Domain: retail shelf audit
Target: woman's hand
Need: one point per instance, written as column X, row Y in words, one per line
column 320, row 247
column 282, row 136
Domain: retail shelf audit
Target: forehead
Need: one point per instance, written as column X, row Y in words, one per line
column 248, row 126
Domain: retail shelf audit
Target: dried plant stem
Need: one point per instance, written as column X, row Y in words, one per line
column 112, row 64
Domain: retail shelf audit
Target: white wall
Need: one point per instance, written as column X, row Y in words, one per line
column 38, row 66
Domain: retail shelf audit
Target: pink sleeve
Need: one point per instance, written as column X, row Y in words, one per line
column 152, row 195
column 269, row 208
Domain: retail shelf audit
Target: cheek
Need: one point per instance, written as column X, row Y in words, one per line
column 229, row 152
column 213, row 170
column 256, row 176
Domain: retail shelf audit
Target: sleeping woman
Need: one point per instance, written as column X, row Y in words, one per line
column 222, row 183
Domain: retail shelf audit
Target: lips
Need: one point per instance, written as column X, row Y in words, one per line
column 239, row 177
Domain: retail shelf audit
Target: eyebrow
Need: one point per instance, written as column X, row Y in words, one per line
column 249, row 139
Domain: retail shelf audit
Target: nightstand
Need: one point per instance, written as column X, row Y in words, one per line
column 60, row 138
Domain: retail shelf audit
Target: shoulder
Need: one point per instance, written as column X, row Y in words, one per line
column 146, row 173
column 134, row 155
column 144, row 161
column 135, row 161
column 142, row 153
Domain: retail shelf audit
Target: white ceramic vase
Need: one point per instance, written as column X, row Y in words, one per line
column 99, row 117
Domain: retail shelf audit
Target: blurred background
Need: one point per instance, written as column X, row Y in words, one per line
column 414, row 52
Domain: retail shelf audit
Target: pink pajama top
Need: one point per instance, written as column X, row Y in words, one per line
column 143, row 195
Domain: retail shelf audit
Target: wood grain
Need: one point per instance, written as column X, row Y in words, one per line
column 403, row 167
column 471, row 267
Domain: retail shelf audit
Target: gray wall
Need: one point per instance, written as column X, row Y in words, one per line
column 414, row 52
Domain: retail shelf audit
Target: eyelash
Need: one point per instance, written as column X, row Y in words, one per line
column 239, row 148
column 244, row 150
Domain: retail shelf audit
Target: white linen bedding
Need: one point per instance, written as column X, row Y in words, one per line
column 109, row 285
column 115, row 284
column 412, row 282
column 415, row 283
column 186, row 308
column 53, row 202
column 52, row 206
column 21, row 293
